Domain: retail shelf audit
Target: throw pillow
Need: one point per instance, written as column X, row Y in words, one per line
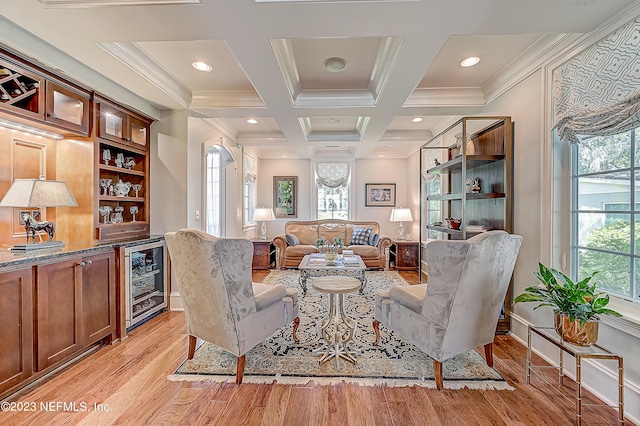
column 373, row 239
column 360, row 236
column 291, row 239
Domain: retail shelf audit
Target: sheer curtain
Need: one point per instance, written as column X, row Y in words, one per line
column 597, row 93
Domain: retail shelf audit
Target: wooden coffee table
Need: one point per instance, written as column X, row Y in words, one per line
column 316, row 266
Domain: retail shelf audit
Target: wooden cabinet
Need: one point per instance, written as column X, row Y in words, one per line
column 118, row 125
column 403, row 255
column 75, row 306
column 16, row 317
column 98, row 297
column 58, row 307
column 29, row 92
column 122, row 169
column 20, row 90
column 263, row 254
column 68, row 108
column 466, row 183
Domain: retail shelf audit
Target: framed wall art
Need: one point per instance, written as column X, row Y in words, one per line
column 285, row 196
column 380, row 194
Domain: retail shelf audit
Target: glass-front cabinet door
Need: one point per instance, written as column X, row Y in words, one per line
column 112, row 123
column 139, row 132
column 67, row 108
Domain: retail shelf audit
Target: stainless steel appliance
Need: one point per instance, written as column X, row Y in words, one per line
column 146, row 281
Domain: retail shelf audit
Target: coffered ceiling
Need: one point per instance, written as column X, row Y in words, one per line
column 320, row 78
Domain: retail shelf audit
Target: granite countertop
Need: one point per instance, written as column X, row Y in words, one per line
column 11, row 259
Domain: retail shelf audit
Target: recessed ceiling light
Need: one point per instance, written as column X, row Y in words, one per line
column 252, row 121
column 417, row 119
column 469, row 62
column 202, row 66
column 335, row 64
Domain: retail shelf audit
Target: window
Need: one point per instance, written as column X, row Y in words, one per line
column 217, row 158
column 249, row 189
column 332, row 185
column 213, row 217
column 606, row 202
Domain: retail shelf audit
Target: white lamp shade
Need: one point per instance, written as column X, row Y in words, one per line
column 38, row 193
column 401, row 215
column 263, row 215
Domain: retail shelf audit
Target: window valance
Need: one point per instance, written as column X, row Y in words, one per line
column 332, row 175
column 597, row 93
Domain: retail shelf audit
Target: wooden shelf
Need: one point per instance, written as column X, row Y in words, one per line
column 472, row 161
column 122, row 170
column 469, row 196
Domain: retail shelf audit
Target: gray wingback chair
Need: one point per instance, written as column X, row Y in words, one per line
column 458, row 309
column 221, row 304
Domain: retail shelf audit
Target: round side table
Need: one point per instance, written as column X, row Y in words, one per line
column 338, row 329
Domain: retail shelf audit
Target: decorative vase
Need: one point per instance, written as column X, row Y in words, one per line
column 331, row 258
column 575, row 333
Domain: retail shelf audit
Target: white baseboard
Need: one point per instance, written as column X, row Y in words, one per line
column 175, row 301
column 598, row 380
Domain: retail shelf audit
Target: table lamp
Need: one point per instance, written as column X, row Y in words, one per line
column 401, row 214
column 38, row 193
column 263, row 214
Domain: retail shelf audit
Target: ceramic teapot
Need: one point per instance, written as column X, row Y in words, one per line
column 122, row 188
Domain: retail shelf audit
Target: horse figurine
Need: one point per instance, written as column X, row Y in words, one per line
column 31, row 226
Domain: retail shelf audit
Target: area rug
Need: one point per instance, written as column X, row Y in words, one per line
column 395, row 362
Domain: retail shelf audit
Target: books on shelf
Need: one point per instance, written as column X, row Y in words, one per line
column 476, row 228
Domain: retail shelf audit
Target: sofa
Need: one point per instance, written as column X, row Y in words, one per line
column 362, row 237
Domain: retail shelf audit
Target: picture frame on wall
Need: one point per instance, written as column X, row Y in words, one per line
column 380, row 194
column 285, row 196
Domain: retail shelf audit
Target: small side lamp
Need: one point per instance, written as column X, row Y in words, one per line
column 38, row 193
column 263, row 215
column 401, row 214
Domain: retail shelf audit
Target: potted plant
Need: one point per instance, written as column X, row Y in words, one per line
column 577, row 306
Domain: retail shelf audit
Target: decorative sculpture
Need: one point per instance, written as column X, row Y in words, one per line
column 31, row 226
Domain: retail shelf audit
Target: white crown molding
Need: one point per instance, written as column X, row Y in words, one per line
column 334, row 99
column 532, row 59
column 226, row 99
column 283, row 52
column 305, row 125
column 406, row 135
column 139, row 61
column 387, row 54
column 105, row 3
column 362, row 123
column 259, row 138
column 221, row 126
column 333, row 136
column 446, row 97
column 333, row 153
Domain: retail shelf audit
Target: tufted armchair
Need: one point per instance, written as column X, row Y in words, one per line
column 458, row 309
column 221, row 304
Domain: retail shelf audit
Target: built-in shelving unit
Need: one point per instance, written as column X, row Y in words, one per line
column 122, row 168
column 467, row 175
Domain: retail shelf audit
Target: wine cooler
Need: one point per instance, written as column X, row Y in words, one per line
column 146, row 279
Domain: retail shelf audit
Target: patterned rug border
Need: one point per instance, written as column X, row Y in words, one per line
column 451, row 384
column 454, row 383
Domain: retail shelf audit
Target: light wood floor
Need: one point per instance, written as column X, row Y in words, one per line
column 128, row 382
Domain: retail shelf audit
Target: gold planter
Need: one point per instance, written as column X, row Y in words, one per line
column 575, row 333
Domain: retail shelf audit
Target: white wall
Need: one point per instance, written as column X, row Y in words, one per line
column 381, row 170
column 168, row 173
column 267, row 169
column 364, row 171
